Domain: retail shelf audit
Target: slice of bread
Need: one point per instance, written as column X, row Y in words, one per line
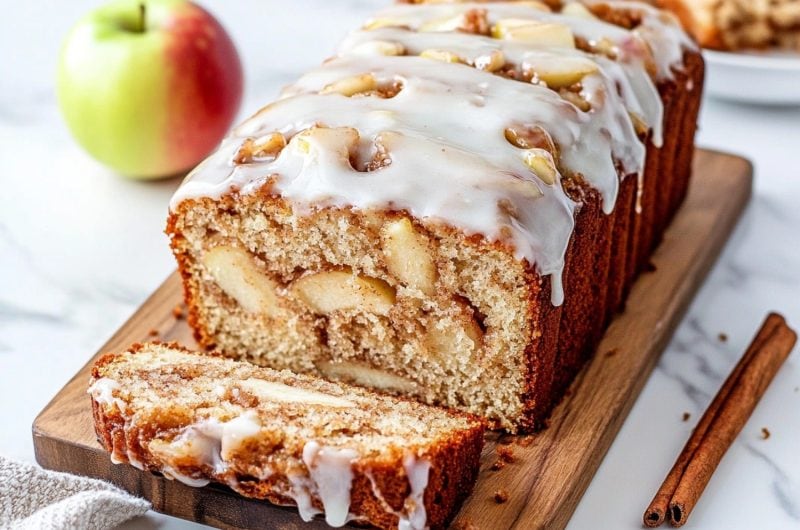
column 329, row 448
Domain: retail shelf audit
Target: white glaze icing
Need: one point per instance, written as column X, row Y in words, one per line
column 211, row 443
column 443, row 132
column 413, row 515
column 135, row 462
column 237, row 431
column 332, row 474
column 635, row 86
column 417, row 471
column 300, row 492
column 629, row 80
column 172, row 474
column 202, row 442
column 102, row 391
column 660, row 33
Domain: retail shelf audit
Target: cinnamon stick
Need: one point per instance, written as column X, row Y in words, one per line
column 656, row 513
column 721, row 423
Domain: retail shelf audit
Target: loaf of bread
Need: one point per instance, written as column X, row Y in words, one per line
column 740, row 24
column 328, row 448
column 451, row 209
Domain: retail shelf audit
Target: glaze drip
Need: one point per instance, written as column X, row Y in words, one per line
column 103, row 392
column 413, row 515
column 332, row 475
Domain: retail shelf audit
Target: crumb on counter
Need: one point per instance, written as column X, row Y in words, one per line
column 525, row 441
column 464, row 524
column 765, row 434
column 686, row 416
column 723, row 337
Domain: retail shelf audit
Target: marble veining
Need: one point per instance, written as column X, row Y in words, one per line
column 786, row 492
column 80, row 249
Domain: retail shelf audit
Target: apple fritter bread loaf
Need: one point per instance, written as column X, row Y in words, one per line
column 452, row 208
column 328, row 448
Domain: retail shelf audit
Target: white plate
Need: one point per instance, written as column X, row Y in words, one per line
column 771, row 78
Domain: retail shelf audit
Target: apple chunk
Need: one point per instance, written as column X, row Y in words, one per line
column 276, row 391
column 240, row 278
column 365, row 375
column 408, row 256
column 462, row 333
column 541, row 163
column 560, row 72
column 544, row 34
column 350, row 86
column 325, row 292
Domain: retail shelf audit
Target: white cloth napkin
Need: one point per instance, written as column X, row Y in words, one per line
column 32, row 498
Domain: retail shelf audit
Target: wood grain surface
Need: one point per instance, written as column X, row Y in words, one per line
column 550, row 471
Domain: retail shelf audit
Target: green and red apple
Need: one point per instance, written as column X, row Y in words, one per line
column 149, row 87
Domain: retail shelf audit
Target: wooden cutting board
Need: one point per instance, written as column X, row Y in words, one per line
column 551, row 470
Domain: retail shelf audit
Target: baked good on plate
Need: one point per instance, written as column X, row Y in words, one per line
column 740, row 24
column 452, row 208
column 328, row 448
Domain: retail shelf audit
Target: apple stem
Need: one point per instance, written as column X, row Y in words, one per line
column 142, row 12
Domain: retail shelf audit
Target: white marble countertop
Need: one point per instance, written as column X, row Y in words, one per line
column 81, row 248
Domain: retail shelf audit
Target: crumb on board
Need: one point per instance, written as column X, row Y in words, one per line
column 651, row 267
column 153, row 332
column 500, row 496
column 464, row 524
column 505, row 453
column 686, row 416
column 765, row 433
column 612, row 352
column 525, row 441
column 723, row 337
column 498, row 465
column 177, row 312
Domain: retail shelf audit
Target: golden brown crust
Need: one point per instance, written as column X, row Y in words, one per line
column 633, row 234
column 129, row 430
